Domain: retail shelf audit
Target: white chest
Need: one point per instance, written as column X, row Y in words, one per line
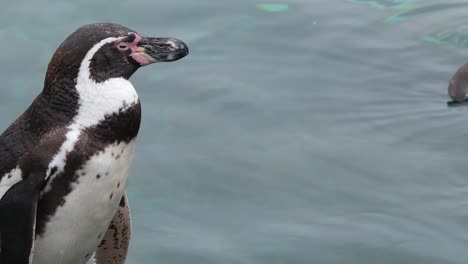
column 77, row 227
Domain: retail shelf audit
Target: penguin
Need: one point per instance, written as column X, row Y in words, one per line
column 458, row 84
column 64, row 163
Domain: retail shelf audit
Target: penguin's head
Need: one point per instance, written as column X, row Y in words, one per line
column 105, row 51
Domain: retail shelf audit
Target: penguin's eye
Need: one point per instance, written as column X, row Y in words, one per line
column 122, row 47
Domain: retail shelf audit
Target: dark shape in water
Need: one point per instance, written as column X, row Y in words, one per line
column 458, row 84
column 455, row 103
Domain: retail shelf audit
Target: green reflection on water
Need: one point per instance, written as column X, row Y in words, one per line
column 455, row 37
column 416, row 11
column 387, row 4
column 411, row 9
column 273, row 7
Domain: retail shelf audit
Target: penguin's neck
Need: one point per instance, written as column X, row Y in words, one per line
column 99, row 100
column 70, row 92
column 85, row 104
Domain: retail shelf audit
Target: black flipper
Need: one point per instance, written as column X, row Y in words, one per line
column 18, row 215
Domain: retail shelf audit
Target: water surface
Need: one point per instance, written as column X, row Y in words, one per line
column 309, row 131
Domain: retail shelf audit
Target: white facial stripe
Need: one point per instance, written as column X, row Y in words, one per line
column 96, row 101
column 84, row 67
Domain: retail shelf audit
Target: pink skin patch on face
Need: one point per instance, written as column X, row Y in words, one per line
column 138, row 53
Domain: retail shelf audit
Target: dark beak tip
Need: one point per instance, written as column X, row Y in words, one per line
column 181, row 47
column 167, row 49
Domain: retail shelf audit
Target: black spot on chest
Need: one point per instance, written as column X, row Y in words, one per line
column 53, row 170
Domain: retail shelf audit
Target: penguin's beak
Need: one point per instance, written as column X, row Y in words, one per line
column 154, row 50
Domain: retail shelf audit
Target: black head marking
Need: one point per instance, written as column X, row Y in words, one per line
column 110, row 62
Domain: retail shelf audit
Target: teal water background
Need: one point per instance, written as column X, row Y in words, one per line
column 309, row 131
